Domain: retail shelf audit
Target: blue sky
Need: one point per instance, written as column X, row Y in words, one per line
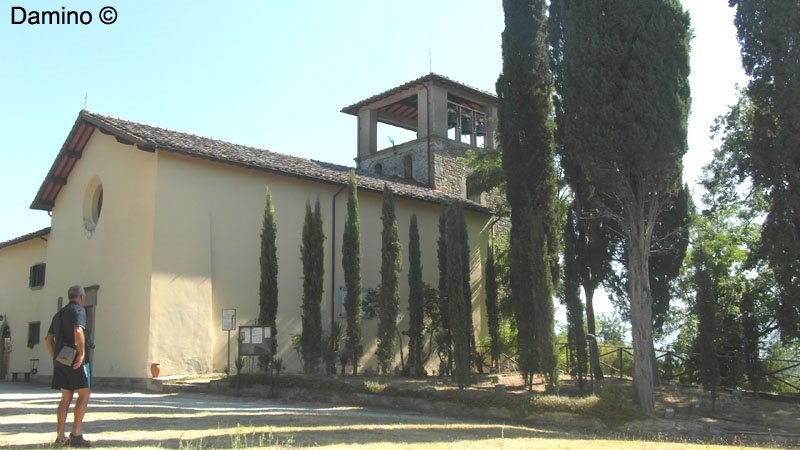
column 268, row 74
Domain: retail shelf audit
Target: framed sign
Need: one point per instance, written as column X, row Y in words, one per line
column 228, row 319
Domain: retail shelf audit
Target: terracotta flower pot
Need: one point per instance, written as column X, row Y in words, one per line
column 155, row 370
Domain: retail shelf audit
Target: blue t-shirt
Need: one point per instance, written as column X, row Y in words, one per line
column 71, row 316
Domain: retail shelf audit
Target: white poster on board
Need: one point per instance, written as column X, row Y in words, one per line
column 257, row 337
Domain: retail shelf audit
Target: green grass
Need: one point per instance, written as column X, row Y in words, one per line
column 611, row 407
column 241, row 439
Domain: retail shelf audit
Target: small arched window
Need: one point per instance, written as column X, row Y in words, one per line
column 379, row 170
column 408, row 167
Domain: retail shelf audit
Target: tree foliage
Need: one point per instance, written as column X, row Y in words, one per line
column 572, row 298
column 460, row 301
column 623, row 122
column 669, row 244
column 312, row 253
column 595, row 243
column 770, row 44
column 416, row 301
column 492, row 309
column 351, row 265
column 268, row 288
column 706, row 309
column 728, row 232
column 388, row 292
column 444, row 336
column 524, row 112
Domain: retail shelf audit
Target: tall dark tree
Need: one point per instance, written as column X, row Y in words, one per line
column 595, row 239
column 768, row 34
column 416, row 301
column 751, row 338
column 492, row 308
column 705, row 307
column 670, row 241
column 624, row 124
column 595, row 245
column 268, row 288
column 465, row 279
column 733, row 206
column 444, row 342
column 351, row 265
column 388, row 292
column 572, row 297
column 312, row 253
column 459, row 304
column 524, row 112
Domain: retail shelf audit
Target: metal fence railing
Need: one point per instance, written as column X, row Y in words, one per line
column 617, row 361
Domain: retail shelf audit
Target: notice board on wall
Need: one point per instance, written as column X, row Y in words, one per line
column 255, row 340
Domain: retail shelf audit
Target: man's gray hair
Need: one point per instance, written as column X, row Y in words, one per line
column 75, row 291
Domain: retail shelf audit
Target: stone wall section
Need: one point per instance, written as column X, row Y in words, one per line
column 392, row 161
column 450, row 173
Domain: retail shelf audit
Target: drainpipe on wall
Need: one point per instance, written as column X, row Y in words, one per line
column 491, row 231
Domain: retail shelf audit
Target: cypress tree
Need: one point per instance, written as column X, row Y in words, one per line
column 572, row 296
column 706, row 321
column 595, row 244
column 750, row 338
column 622, row 69
column 312, row 254
column 444, row 338
column 492, row 308
column 416, row 301
column 388, row 292
column 268, row 288
column 524, row 112
column 465, row 279
column 458, row 304
column 768, row 34
column 351, row 264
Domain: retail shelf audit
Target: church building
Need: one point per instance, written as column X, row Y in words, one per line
column 163, row 230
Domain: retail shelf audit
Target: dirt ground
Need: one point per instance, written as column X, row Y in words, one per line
column 123, row 419
column 686, row 411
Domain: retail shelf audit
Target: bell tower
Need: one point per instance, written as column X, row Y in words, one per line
column 445, row 120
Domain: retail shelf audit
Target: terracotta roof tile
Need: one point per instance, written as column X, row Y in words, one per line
column 149, row 138
column 36, row 234
column 353, row 109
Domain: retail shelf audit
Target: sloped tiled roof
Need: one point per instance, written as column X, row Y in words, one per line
column 36, row 234
column 150, row 138
column 431, row 77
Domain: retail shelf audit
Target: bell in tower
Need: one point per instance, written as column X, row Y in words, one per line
column 445, row 120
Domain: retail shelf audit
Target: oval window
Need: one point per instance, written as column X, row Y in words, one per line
column 92, row 204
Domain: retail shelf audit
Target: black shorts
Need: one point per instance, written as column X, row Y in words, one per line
column 65, row 377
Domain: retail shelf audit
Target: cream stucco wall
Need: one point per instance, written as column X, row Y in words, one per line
column 116, row 256
column 206, row 257
column 178, row 241
column 21, row 305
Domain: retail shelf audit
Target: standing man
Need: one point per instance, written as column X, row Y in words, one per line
column 68, row 328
